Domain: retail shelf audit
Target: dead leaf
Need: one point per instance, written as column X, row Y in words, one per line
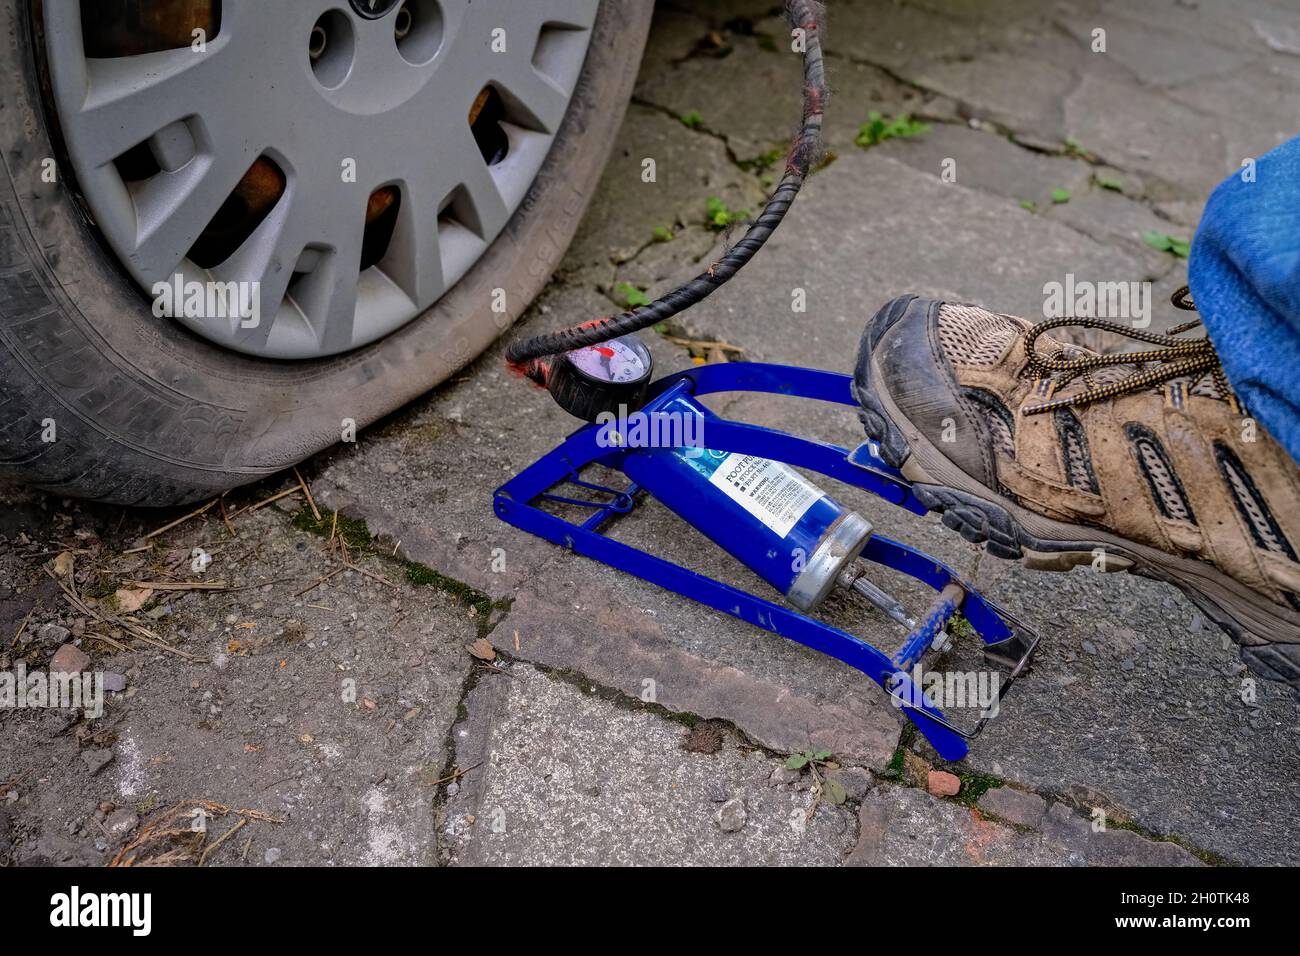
column 704, row 738
column 367, row 703
column 483, row 649
column 130, row 600
column 63, row 564
column 703, row 351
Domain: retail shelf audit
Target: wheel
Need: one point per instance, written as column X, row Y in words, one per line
column 232, row 231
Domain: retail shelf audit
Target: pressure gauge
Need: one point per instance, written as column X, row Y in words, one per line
column 600, row 378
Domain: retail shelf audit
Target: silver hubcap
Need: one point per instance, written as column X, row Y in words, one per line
column 345, row 162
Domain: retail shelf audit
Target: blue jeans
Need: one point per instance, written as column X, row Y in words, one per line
column 1244, row 272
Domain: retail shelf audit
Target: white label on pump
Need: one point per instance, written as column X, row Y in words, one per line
column 768, row 490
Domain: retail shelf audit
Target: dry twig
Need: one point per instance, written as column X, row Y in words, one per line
column 226, row 519
column 131, row 626
column 319, row 581
column 265, row 501
column 212, row 848
column 370, row 574
column 23, row 626
column 179, row 585
column 302, row 483
column 163, row 829
column 179, row 521
column 456, row 774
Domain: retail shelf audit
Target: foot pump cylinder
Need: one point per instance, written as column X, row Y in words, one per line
column 769, row 517
column 784, row 528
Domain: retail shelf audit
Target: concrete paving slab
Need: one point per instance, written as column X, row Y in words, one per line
column 1268, row 85
column 1221, row 22
column 686, row 171
column 1015, row 93
column 1143, row 48
column 872, row 228
column 757, row 129
column 1165, row 141
column 1113, row 219
column 1134, row 694
column 1136, row 704
column 990, row 163
column 567, row 777
column 903, row 38
column 326, row 710
column 905, row 826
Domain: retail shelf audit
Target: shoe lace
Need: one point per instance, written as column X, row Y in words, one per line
column 1177, row 358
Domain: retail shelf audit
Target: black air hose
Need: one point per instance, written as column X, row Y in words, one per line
column 528, row 356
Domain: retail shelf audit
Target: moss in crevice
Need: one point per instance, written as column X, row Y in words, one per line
column 894, row 769
column 353, row 531
column 974, row 785
column 422, row 575
column 425, row 576
column 1208, row 857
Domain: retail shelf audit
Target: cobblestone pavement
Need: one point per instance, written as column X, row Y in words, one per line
column 352, row 716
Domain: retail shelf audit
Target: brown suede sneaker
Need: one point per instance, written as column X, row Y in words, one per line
column 1062, row 456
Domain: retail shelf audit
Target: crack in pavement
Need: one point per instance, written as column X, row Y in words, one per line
column 864, row 730
column 1018, row 137
column 700, row 130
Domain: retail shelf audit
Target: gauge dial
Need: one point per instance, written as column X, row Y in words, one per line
column 615, row 361
column 603, row 377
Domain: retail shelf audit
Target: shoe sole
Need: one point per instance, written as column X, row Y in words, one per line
column 1267, row 634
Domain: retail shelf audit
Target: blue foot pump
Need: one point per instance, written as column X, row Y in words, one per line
column 731, row 481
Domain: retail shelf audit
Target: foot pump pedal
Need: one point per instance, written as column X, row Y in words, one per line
column 731, row 481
